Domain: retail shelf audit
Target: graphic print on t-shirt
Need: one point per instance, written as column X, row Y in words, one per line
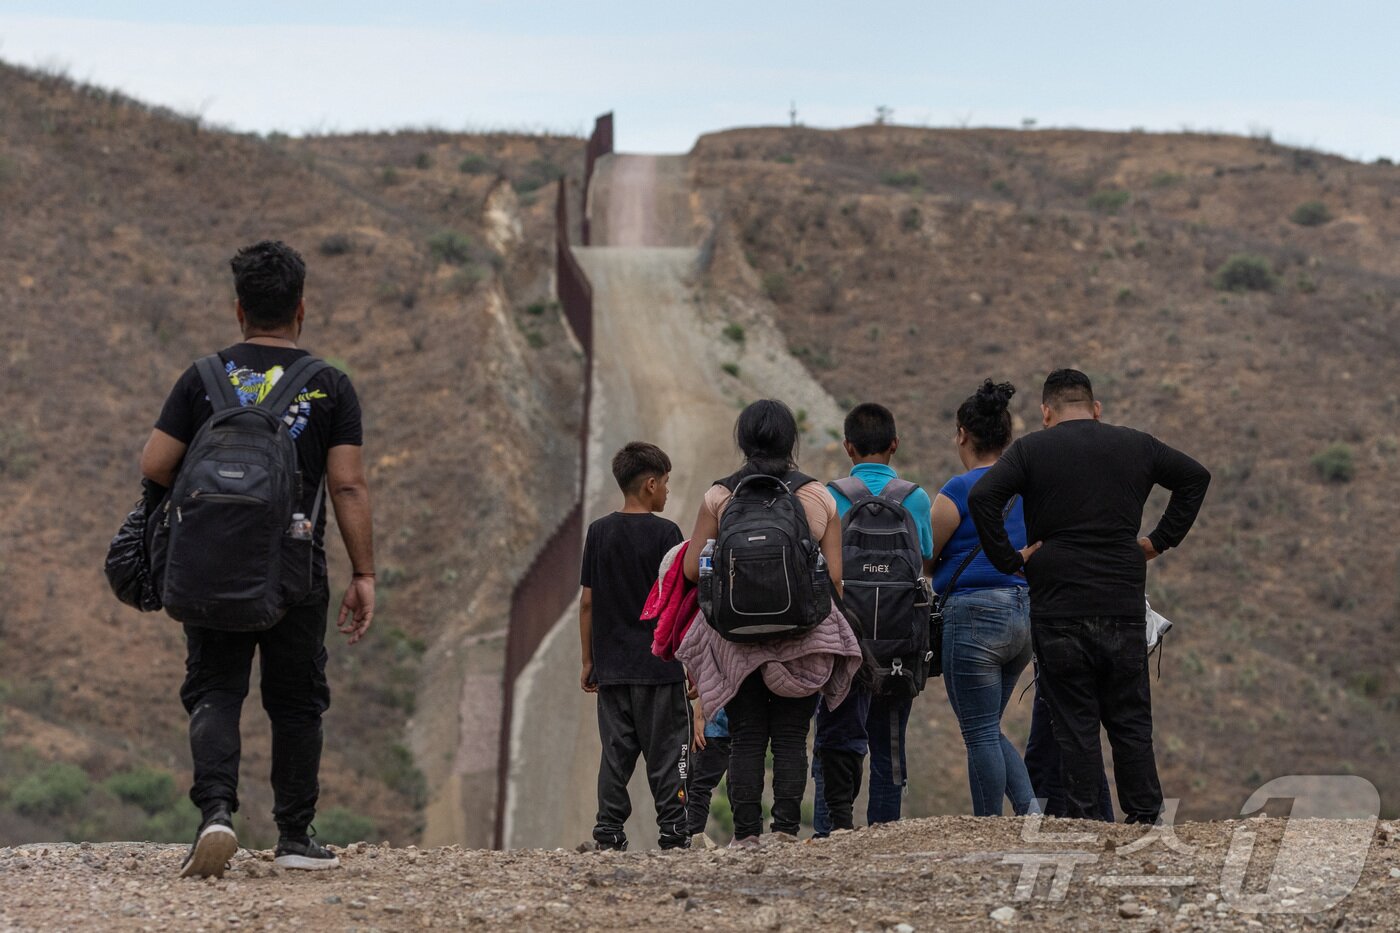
column 253, row 386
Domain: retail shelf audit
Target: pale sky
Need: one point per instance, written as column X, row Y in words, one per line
column 1314, row 74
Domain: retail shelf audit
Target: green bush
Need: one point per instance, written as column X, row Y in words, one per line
column 450, row 247
column 147, row 788
column 911, row 220
column 537, row 174
column 340, row 827
column 1165, row 180
column 734, row 332
column 17, row 457
column 1243, row 272
column 1335, row 463
column 1109, row 200
column 1311, row 214
column 775, row 285
column 175, row 823
column 51, row 791
column 423, row 161
column 476, row 164
column 731, row 368
column 400, row 774
column 900, row 179
column 337, row 244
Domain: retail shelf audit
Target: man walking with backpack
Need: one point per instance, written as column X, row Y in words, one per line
column 1084, row 484
column 248, row 443
column 887, row 545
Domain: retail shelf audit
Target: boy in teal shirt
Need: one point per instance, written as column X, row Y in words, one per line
column 871, row 442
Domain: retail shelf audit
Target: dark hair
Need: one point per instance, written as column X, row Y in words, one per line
column 1067, row 387
column 268, row 277
column 766, row 433
column 634, row 463
column 985, row 418
column 870, row 429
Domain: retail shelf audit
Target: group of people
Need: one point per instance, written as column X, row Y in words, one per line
column 1034, row 552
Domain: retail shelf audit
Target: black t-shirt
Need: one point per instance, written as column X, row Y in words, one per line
column 1084, row 484
column 326, row 414
column 621, row 557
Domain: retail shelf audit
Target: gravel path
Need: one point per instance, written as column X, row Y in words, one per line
column 946, row 873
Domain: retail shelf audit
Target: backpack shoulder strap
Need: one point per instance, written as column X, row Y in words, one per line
column 852, row 487
column 216, row 385
column 293, row 380
column 897, row 490
column 795, row 480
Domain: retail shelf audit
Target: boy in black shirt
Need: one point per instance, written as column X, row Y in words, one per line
column 642, row 707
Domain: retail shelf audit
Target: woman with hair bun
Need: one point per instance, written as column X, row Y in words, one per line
column 987, row 634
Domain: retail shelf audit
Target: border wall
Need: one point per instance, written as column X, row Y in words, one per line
column 544, row 593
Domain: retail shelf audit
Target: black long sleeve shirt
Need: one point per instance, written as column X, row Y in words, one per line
column 1084, row 484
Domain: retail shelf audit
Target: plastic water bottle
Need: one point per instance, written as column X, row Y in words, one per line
column 707, row 559
column 301, row 527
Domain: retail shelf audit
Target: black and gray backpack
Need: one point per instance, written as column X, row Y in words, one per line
column 884, row 585
column 224, row 554
column 769, row 580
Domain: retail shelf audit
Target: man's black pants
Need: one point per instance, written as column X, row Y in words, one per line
column 292, row 659
column 651, row 720
column 758, row 716
column 1043, row 765
column 1094, row 670
column 707, row 767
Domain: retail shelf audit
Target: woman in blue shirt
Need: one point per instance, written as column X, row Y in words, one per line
column 987, row 638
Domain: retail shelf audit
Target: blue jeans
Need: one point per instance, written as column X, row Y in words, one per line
column 886, row 725
column 986, row 646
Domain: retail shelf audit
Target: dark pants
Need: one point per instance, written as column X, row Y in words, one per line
column 841, row 774
column 292, row 659
column 758, row 717
column 886, row 724
column 651, row 720
column 1043, row 764
column 1093, row 671
column 707, row 767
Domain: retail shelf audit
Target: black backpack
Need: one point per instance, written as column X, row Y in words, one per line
column 223, row 554
column 884, row 585
column 769, row 580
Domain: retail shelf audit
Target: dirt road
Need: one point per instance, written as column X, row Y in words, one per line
column 945, row 873
column 657, row 377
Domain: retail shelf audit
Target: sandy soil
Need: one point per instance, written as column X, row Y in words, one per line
column 945, row 873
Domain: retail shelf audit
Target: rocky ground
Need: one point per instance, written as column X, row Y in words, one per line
column 946, row 873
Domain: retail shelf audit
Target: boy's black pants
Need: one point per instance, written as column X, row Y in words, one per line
column 292, row 659
column 1094, row 670
column 758, row 716
column 651, row 720
column 841, row 774
column 707, row 767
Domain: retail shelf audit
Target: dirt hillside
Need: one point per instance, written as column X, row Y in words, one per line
column 906, row 265
column 430, row 265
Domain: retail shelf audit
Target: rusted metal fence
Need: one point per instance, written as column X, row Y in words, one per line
column 551, row 582
column 599, row 145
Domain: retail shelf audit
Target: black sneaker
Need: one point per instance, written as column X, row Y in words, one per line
column 213, row 846
column 304, row 853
